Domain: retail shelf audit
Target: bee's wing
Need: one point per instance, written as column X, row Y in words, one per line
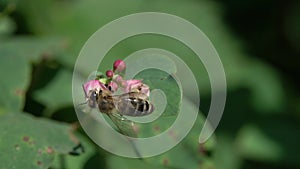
column 123, row 125
column 126, row 127
column 133, row 104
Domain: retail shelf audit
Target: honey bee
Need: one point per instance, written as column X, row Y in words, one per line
column 129, row 104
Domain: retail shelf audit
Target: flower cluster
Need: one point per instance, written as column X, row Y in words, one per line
column 114, row 81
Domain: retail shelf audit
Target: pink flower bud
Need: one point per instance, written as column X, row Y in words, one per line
column 109, row 73
column 119, row 79
column 119, row 66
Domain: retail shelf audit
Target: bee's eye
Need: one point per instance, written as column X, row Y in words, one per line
column 109, row 88
column 100, row 92
column 93, row 95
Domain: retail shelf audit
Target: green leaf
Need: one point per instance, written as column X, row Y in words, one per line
column 188, row 153
column 158, row 79
column 266, row 89
column 57, row 93
column 76, row 162
column 32, row 142
column 191, row 141
column 14, row 75
column 16, row 56
column 34, row 49
column 177, row 157
column 116, row 162
column 253, row 143
column 271, row 139
column 7, row 26
column 225, row 155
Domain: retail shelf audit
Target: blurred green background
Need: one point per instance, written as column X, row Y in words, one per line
column 258, row 43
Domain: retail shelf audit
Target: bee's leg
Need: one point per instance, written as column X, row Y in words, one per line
column 119, row 116
column 122, row 117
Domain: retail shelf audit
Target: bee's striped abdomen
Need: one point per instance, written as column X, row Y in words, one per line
column 135, row 107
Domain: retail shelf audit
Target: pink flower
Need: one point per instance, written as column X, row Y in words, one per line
column 92, row 85
column 135, row 85
column 119, row 66
column 115, row 80
column 113, row 85
column 120, row 81
column 145, row 89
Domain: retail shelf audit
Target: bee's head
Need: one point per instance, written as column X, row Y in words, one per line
column 93, row 95
column 103, row 94
column 92, row 98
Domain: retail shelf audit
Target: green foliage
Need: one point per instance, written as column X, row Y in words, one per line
column 59, row 86
column 40, row 41
column 13, row 86
column 29, row 142
column 157, row 79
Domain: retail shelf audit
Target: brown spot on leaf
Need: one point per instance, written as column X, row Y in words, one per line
column 165, row 161
column 39, row 163
column 73, row 128
column 26, row 138
column 49, row 150
column 156, row 128
column 202, row 149
column 19, row 92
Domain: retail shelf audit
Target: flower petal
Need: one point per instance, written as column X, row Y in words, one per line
column 92, row 85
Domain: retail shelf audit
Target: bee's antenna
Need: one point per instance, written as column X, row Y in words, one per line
column 85, row 94
column 80, row 104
